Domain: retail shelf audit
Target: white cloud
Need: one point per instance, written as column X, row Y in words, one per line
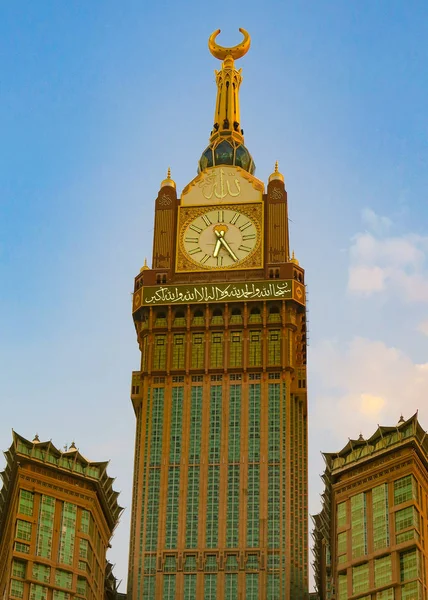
column 375, row 222
column 367, row 384
column 366, row 280
column 423, row 327
column 380, row 264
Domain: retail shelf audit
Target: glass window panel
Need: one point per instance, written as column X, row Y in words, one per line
column 383, row 571
column 358, row 524
column 360, row 578
column 405, row 489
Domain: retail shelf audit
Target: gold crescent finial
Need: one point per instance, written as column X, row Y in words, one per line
column 235, row 52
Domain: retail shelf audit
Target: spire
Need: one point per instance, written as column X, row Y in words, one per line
column 145, row 266
column 168, row 181
column 227, row 137
column 276, row 174
column 294, row 259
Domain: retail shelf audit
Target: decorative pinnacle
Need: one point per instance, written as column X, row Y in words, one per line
column 168, row 181
column 72, row 446
column 276, row 175
column 36, row 438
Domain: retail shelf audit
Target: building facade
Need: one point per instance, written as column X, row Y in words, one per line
column 57, row 515
column 371, row 535
column 219, row 505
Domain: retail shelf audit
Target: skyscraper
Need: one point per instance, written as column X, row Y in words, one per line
column 370, row 537
column 57, row 514
column 219, row 504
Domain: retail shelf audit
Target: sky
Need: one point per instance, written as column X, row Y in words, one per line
column 98, row 98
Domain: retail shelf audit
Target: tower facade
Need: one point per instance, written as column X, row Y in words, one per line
column 370, row 537
column 220, row 481
column 57, row 515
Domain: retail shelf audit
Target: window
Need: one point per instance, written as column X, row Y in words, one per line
column 198, row 350
column 210, row 587
column 45, row 527
column 214, row 466
column 341, row 514
column 274, row 315
column 17, row 588
column 252, row 586
column 20, row 547
column 342, row 547
column 18, row 568
column 60, row 595
column 159, row 355
column 216, row 350
column 63, row 579
column 179, row 319
column 255, row 316
column 174, row 469
column 410, row 565
column 189, row 587
column 81, row 586
column 236, row 349
column 68, row 531
column 255, row 349
column 385, row 594
column 217, row 318
column 236, row 316
column 38, row 592
column 41, row 572
column 168, row 587
column 26, row 503
column 405, row 489
column 358, row 524
column 412, row 591
column 198, row 318
column 274, row 347
column 85, row 519
column 405, row 518
column 342, row 585
column 160, row 320
column 178, row 351
column 383, row 571
column 233, row 479
column 380, row 517
column 23, row 530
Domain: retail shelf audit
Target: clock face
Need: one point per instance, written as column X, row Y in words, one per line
column 220, row 238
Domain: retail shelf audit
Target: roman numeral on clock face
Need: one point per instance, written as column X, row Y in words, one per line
column 195, row 251
column 219, row 260
column 234, row 219
column 195, row 228
column 245, row 226
column 193, row 240
column 204, row 259
column 220, row 217
column 244, row 248
column 249, row 236
column 206, row 220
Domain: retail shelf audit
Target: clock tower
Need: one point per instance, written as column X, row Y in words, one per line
column 219, row 508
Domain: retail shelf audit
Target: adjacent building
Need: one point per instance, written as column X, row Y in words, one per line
column 57, row 514
column 219, row 506
column 371, row 535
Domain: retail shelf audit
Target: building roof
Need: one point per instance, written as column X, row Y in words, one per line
column 70, row 461
column 384, row 438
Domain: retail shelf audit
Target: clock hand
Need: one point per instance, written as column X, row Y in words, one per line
column 220, row 238
column 217, row 248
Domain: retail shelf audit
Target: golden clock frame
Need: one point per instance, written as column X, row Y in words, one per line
column 186, row 214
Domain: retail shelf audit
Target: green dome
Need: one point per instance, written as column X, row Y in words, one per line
column 227, row 152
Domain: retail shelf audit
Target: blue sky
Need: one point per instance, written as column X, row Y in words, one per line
column 99, row 98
